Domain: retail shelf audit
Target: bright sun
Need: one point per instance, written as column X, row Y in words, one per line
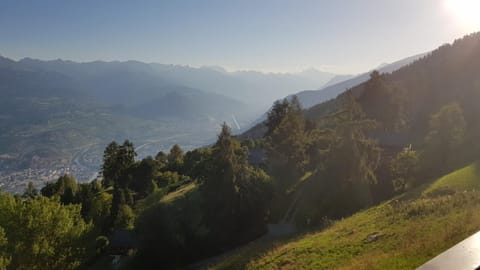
column 466, row 12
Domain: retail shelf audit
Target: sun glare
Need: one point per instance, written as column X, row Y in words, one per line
column 465, row 12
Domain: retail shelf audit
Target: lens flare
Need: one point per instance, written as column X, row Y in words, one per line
column 465, row 12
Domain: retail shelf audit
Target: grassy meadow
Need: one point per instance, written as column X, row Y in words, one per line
column 402, row 233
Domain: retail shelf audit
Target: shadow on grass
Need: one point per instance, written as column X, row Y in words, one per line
column 240, row 257
column 476, row 167
column 416, row 192
column 420, row 190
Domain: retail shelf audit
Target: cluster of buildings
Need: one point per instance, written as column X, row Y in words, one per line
column 17, row 181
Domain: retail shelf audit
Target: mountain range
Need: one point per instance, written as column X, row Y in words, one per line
column 61, row 114
column 339, row 84
column 114, row 82
column 58, row 115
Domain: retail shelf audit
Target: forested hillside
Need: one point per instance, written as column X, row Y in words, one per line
column 310, row 98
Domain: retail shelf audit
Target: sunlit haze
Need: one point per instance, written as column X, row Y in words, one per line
column 465, row 13
column 337, row 36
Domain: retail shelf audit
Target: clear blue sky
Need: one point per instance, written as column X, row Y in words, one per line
column 272, row 35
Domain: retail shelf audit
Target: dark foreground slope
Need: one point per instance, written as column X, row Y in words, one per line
column 402, row 233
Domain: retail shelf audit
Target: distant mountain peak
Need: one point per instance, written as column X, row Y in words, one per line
column 310, row 69
column 338, row 79
column 382, row 65
column 313, row 71
column 330, row 90
column 6, row 62
column 215, row 68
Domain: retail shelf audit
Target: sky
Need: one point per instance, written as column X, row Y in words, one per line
column 338, row 36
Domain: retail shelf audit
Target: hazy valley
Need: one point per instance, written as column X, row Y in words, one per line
column 57, row 116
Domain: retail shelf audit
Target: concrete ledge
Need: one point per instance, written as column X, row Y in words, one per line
column 463, row 256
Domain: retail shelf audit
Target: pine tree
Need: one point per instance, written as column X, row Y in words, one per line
column 30, row 191
column 287, row 142
column 446, row 133
column 109, row 167
column 175, row 158
column 116, row 160
column 276, row 115
column 383, row 102
column 236, row 191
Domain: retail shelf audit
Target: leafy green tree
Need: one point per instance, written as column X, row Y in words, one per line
column 143, row 175
column 99, row 211
column 353, row 156
column 4, row 257
column 124, row 161
column 30, row 191
column 117, row 159
column 85, row 195
column 175, row 154
column 238, row 192
column 49, row 190
column 446, row 133
column 167, row 178
column 126, row 155
column 119, row 170
column 383, row 102
column 95, row 203
column 287, row 142
column 276, row 115
column 43, row 233
column 404, row 168
column 110, row 168
column 249, row 143
column 348, row 121
column 125, row 217
column 96, row 186
column 197, row 162
column 175, row 158
column 161, row 158
column 118, row 210
column 222, row 177
column 345, row 162
column 66, row 188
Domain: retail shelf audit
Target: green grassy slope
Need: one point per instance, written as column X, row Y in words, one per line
column 402, row 233
column 463, row 179
column 163, row 196
column 182, row 191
